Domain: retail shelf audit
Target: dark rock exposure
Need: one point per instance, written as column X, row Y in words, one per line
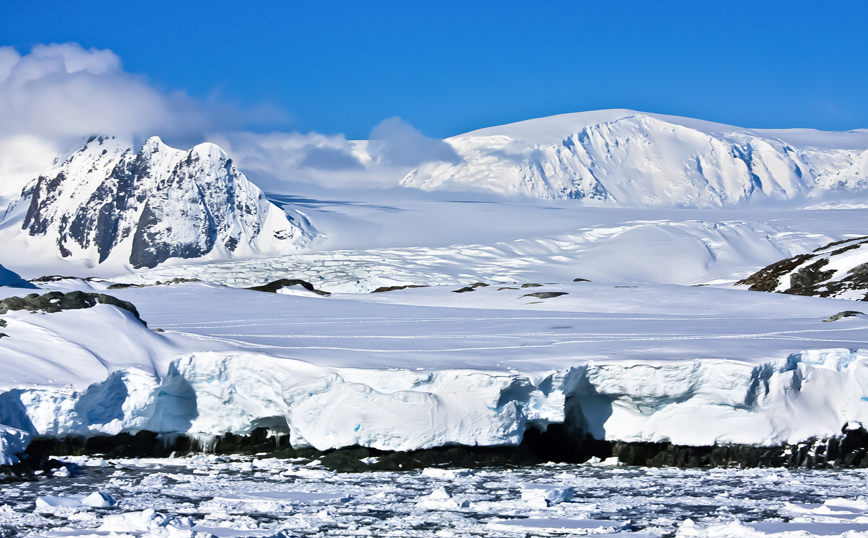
column 557, row 444
column 56, row 301
column 807, row 274
column 273, row 287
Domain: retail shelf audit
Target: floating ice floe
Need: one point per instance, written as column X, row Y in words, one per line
column 543, row 496
column 560, row 525
column 97, row 499
column 440, row 499
column 446, row 474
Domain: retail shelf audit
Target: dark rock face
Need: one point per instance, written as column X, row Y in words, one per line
column 384, row 289
column 272, row 287
column 152, row 205
column 844, row 314
column 471, row 287
column 545, row 294
column 559, row 443
column 56, row 301
column 807, row 276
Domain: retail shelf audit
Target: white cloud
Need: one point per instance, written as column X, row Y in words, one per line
column 62, row 91
column 398, row 143
column 56, row 95
column 275, row 160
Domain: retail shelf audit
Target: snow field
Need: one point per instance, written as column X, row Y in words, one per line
column 403, row 371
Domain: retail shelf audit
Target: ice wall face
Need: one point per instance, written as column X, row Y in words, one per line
column 697, row 403
column 634, row 159
column 12, row 441
column 108, row 202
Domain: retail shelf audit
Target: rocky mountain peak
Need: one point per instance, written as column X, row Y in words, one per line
column 108, row 202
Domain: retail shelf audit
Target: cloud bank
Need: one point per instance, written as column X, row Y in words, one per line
column 277, row 160
column 56, row 95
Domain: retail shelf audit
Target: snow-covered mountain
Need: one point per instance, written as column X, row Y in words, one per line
column 632, row 158
column 108, row 203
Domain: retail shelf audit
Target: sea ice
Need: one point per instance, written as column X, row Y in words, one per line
column 543, row 496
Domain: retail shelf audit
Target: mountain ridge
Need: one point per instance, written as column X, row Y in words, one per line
column 108, row 203
column 628, row 158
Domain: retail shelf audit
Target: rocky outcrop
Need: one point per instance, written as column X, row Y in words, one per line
column 56, row 301
column 109, row 202
column 839, row 269
column 277, row 285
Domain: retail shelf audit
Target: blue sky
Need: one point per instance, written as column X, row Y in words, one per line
column 449, row 67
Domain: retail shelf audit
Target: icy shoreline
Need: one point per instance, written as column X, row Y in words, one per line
column 711, row 403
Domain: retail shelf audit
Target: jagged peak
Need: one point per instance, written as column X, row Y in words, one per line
column 154, row 144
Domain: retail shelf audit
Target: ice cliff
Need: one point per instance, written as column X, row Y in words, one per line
column 696, row 403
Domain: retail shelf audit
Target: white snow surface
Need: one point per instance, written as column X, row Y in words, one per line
column 658, row 346
column 630, row 158
column 428, row 367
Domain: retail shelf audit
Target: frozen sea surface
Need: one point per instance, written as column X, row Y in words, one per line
column 258, row 497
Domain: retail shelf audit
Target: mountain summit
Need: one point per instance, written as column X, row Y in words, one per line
column 623, row 157
column 107, row 202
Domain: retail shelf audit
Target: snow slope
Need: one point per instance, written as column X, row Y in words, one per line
column 106, row 204
column 459, row 241
column 623, row 157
